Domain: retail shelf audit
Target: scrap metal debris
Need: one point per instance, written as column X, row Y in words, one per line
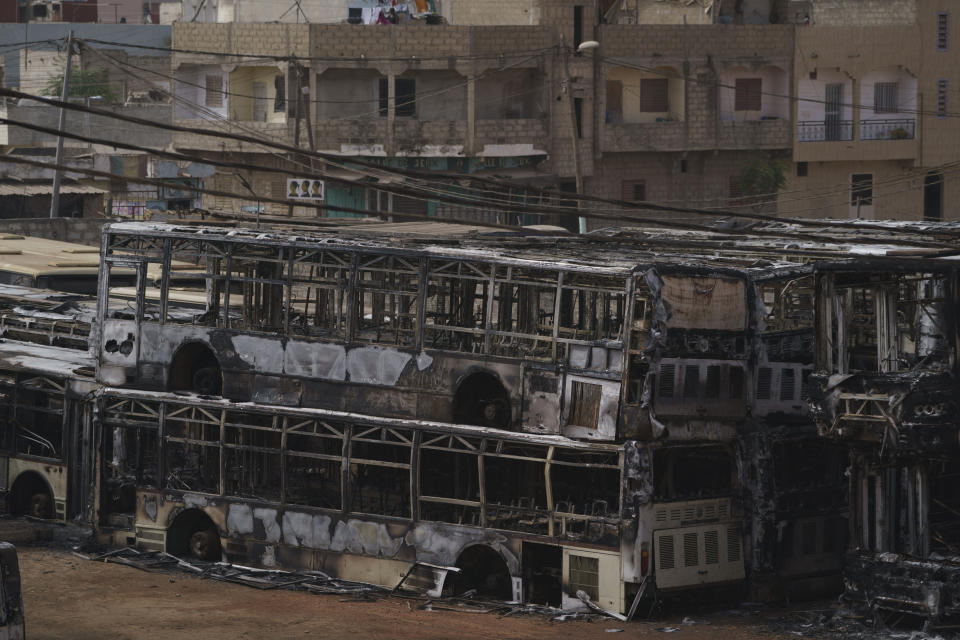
column 321, row 583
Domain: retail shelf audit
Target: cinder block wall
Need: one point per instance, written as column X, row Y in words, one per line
column 78, row 230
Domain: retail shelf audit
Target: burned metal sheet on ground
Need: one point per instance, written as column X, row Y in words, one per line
column 320, row 583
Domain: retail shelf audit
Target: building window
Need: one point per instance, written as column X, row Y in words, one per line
column 802, row 169
column 861, row 189
column 405, row 95
column 885, row 97
column 577, row 26
column 941, row 98
column 653, row 95
column 214, row 91
column 578, row 115
column 943, row 31
column 747, row 94
column 633, row 190
column 279, row 93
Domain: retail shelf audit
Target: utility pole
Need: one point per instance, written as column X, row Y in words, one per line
column 64, row 95
column 574, row 134
column 296, row 123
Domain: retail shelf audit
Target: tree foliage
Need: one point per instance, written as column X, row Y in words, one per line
column 762, row 176
column 84, row 83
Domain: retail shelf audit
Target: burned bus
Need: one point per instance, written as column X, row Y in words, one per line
column 516, row 516
column 887, row 388
column 45, row 421
column 579, row 342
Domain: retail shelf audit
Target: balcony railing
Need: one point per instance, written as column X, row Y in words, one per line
column 825, row 131
column 902, row 129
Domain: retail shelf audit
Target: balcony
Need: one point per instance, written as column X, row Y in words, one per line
column 771, row 133
column 899, row 129
column 517, row 136
column 281, row 132
column 429, row 137
column 823, row 131
column 836, row 140
column 361, row 136
column 655, row 136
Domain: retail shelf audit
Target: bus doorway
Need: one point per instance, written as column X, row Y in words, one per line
column 542, row 574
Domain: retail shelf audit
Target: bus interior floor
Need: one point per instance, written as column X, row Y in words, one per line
column 317, row 582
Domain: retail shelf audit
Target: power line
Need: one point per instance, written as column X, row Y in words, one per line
column 524, row 209
column 644, row 206
column 354, row 116
column 718, row 235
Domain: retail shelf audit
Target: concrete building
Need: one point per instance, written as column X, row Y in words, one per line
column 874, row 127
column 507, row 95
column 131, row 81
column 850, row 103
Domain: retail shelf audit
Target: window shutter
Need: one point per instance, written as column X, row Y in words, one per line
column 748, row 94
column 653, row 95
column 633, row 190
column 214, row 91
column 885, row 97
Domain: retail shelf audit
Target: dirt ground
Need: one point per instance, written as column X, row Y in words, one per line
column 68, row 597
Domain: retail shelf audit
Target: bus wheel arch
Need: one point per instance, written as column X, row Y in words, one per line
column 192, row 533
column 485, row 569
column 195, row 367
column 482, row 399
column 31, row 494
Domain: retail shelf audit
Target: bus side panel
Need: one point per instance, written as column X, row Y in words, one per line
column 694, row 556
column 596, row 573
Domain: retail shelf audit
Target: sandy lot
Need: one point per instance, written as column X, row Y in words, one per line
column 68, row 597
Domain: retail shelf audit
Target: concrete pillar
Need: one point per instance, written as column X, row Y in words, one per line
column 470, row 143
column 391, row 111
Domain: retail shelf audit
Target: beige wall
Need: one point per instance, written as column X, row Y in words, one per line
column 900, row 44
column 488, row 12
column 864, row 13
column 630, row 82
column 898, row 191
column 242, row 92
column 704, row 184
column 941, row 136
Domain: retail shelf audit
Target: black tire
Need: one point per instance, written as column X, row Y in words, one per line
column 205, row 545
column 495, row 413
column 206, row 381
column 39, row 505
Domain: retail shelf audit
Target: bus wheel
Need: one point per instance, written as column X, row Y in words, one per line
column 39, row 505
column 205, row 545
column 495, row 412
column 192, row 534
column 482, row 400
